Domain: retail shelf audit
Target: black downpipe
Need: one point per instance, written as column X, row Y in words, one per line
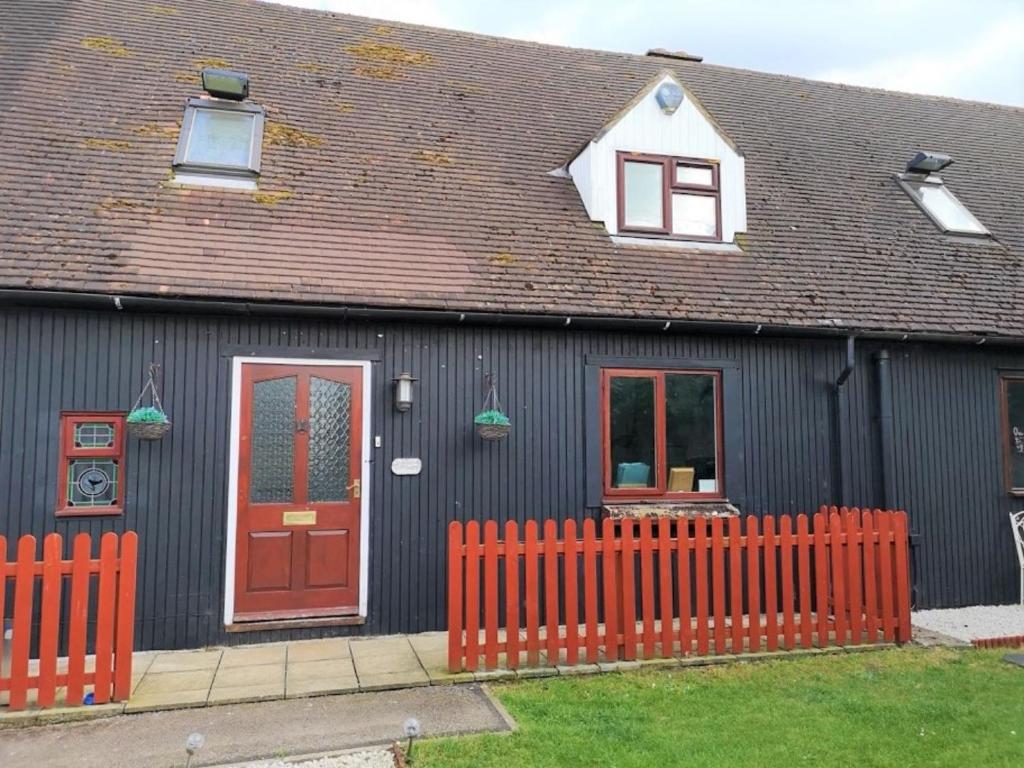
column 886, row 429
column 840, row 411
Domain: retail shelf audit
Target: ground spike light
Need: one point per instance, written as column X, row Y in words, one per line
column 193, row 744
column 412, row 731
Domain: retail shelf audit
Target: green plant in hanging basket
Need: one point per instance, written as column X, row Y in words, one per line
column 492, row 425
column 492, row 417
column 147, row 415
column 148, row 422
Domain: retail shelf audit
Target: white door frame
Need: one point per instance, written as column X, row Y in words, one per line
column 236, row 424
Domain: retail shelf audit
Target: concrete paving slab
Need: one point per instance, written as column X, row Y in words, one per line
column 387, row 665
column 321, row 686
column 158, row 700
column 175, row 681
column 315, row 650
column 262, row 675
column 254, row 655
column 379, row 646
column 324, row 668
column 236, row 694
column 378, row 682
column 185, row 661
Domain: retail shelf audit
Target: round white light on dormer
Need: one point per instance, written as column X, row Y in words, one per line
column 669, row 96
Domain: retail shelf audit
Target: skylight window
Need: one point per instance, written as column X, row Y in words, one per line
column 220, row 143
column 941, row 205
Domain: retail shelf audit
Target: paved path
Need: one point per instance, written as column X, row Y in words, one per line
column 251, row 731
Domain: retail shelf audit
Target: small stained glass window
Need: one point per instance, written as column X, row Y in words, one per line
column 92, row 464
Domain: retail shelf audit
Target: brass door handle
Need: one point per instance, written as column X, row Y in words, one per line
column 356, row 487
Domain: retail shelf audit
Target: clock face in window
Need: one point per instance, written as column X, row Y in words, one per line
column 93, row 482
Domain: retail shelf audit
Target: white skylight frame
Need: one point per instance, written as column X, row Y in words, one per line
column 226, row 174
column 911, row 182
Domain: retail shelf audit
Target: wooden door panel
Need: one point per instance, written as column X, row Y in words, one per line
column 327, row 558
column 299, row 500
column 270, row 561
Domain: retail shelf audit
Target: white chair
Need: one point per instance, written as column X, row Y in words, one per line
column 1017, row 523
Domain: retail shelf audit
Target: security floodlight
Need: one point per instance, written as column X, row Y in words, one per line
column 225, row 84
column 928, row 162
column 669, row 96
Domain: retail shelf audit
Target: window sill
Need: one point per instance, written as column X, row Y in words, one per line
column 90, row 512
column 637, row 240
column 673, row 510
column 1017, row 493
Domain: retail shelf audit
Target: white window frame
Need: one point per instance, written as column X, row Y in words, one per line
column 906, row 179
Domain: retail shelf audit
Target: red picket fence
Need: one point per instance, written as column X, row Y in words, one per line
column 112, row 619
column 668, row 588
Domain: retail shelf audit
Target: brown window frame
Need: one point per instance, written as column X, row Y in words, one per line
column 1004, row 430
column 669, row 164
column 659, row 490
column 68, row 451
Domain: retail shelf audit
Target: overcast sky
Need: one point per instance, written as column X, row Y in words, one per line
column 973, row 49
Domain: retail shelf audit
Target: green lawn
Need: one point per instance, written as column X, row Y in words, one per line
column 905, row 707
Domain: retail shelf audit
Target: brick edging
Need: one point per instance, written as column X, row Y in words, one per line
column 1008, row 641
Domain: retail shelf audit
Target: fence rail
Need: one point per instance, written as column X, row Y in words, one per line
column 665, row 588
column 68, row 598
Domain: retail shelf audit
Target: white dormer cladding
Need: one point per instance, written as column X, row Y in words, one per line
column 643, row 128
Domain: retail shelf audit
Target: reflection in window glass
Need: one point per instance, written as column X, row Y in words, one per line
column 631, row 431
column 220, row 137
column 689, row 174
column 951, row 214
column 694, row 215
column 690, row 433
column 643, row 190
column 1015, row 430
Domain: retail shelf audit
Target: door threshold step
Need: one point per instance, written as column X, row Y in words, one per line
column 318, row 621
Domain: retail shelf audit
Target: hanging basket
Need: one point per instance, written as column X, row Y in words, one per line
column 148, row 430
column 492, row 423
column 493, row 432
column 150, row 422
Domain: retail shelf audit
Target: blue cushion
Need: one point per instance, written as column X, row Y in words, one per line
column 634, row 473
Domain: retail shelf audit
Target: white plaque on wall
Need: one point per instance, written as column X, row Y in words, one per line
column 406, row 466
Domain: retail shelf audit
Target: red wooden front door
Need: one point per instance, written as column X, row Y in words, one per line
column 299, row 470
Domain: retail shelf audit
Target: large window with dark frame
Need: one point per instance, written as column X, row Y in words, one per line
column 1012, row 387
column 91, row 478
column 662, row 433
column 674, row 197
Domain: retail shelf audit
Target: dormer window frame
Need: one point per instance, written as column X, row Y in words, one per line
column 229, row 172
column 670, row 185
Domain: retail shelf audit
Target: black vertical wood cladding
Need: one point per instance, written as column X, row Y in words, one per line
column 946, row 427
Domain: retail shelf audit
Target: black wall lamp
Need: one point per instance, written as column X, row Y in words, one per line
column 403, row 391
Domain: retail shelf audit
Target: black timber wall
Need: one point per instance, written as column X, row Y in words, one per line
column 948, row 462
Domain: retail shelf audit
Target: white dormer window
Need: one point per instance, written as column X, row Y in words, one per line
column 663, row 172
column 675, row 197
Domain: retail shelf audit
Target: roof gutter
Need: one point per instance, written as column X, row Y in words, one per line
column 169, row 304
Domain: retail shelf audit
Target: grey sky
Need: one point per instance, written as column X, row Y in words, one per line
column 970, row 50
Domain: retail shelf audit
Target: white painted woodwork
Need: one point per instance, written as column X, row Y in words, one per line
column 643, row 127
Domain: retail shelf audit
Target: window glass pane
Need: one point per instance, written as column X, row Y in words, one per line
column 690, row 433
column 271, row 475
column 943, row 205
column 694, row 215
column 642, row 187
column 330, row 426
column 688, row 174
column 92, row 483
column 631, row 417
column 92, row 434
column 1015, row 430
column 220, row 138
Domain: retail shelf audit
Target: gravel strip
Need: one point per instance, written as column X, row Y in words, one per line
column 975, row 622
column 370, row 758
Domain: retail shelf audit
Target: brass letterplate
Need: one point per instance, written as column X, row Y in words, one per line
column 299, row 517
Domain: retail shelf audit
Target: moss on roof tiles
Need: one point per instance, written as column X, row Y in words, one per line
column 284, row 135
column 272, row 198
column 111, row 145
column 107, row 45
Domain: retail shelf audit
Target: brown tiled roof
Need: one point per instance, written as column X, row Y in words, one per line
column 421, row 176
